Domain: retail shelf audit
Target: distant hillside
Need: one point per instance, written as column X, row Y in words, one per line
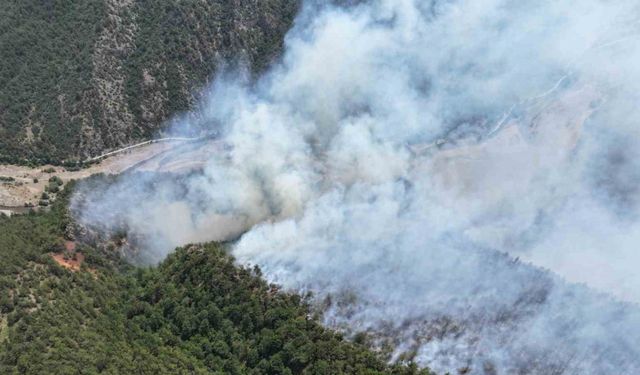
column 79, row 77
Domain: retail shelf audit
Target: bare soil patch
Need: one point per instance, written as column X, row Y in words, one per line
column 71, row 262
column 23, row 186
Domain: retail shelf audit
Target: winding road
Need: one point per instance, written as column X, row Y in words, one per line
column 158, row 140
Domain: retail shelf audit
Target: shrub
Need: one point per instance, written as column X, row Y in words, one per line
column 55, row 180
column 52, row 187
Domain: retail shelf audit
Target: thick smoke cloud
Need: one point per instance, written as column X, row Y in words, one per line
column 416, row 165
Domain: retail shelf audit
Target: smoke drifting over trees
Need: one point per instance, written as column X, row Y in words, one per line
column 404, row 154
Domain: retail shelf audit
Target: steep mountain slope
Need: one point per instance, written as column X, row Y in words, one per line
column 68, row 307
column 77, row 78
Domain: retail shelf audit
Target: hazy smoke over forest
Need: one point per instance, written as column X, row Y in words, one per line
column 417, row 165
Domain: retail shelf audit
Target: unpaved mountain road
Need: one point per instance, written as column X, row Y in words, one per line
column 142, row 144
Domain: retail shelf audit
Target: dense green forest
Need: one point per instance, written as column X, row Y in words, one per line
column 80, row 77
column 195, row 313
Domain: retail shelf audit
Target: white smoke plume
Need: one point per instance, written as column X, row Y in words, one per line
column 418, row 165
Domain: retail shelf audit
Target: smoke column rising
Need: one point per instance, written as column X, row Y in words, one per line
column 401, row 159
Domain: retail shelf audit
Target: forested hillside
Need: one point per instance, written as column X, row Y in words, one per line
column 197, row 313
column 79, row 77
